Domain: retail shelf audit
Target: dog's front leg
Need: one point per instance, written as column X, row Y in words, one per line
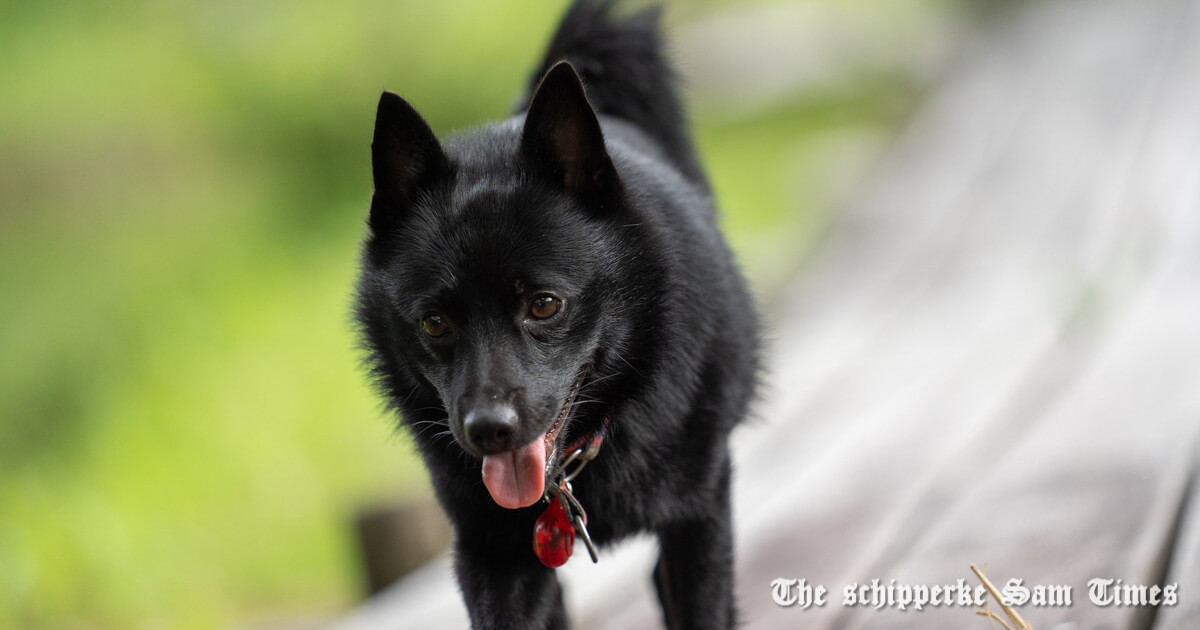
column 508, row 591
column 694, row 575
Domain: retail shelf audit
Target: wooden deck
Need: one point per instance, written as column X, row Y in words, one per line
column 995, row 358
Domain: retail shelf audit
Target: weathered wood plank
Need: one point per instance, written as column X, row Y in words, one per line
column 1048, row 205
column 1094, row 489
column 1184, row 564
column 425, row 598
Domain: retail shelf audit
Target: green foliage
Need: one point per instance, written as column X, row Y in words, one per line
column 185, row 431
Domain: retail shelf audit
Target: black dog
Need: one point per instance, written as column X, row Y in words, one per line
column 555, row 280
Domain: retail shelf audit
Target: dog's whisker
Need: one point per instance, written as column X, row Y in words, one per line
column 627, row 363
column 424, row 409
column 440, row 436
column 420, row 428
column 601, row 379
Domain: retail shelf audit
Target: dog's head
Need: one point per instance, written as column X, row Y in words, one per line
column 491, row 277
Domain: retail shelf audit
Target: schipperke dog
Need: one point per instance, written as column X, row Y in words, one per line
column 551, row 291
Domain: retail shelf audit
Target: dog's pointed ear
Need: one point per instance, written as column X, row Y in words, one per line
column 405, row 155
column 562, row 134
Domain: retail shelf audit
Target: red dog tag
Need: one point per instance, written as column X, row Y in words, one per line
column 553, row 536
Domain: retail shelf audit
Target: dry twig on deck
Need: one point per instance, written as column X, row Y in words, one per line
column 1017, row 622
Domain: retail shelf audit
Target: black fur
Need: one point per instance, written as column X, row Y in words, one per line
column 610, row 219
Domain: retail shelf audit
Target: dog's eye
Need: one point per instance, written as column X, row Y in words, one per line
column 544, row 306
column 435, row 325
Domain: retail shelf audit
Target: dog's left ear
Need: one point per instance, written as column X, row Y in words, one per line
column 562, row 134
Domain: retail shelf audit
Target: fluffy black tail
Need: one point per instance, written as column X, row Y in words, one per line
column 625, row 73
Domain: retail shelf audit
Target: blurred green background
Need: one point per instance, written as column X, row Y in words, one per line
column 185, row 431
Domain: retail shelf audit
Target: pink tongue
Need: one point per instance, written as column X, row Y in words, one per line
column 515, row 479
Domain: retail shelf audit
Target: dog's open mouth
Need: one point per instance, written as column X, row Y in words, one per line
column 517, row 478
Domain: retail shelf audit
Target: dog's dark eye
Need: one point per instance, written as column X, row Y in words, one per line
column 435, row 325
column 544, row 306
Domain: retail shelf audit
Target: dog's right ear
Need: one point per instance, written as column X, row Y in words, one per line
column 405, row 155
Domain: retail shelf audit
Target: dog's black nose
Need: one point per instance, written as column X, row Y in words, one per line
column 491, row 429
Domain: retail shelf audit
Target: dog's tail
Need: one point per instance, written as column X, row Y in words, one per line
column 625, row 73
